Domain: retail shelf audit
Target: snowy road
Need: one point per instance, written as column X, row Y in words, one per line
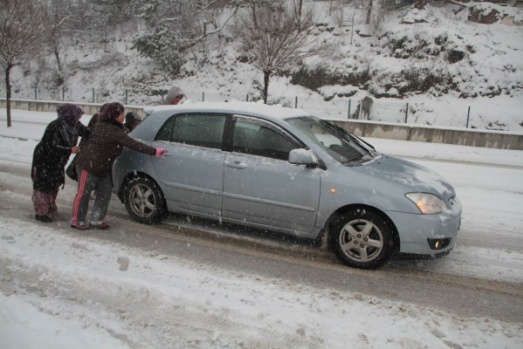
column 456, row 282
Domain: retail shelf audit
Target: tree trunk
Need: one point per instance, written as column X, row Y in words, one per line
column 266, row 77
column 369, row 12
column 106, row 35
column 58, row 60
column 298, row 9
column 8, row 92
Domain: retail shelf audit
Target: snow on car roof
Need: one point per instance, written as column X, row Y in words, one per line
column 249, row 108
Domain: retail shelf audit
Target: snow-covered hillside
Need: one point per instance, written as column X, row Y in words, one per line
column 431, row 67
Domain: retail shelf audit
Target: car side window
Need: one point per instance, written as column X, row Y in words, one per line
column 262, row 139
column 195, row 129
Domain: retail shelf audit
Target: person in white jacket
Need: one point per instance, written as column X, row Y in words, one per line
column 174, row 96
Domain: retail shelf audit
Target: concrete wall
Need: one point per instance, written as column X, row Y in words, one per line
column 51, row 106
column 476, row 138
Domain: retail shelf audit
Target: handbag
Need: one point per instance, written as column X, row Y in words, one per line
column 70, row 171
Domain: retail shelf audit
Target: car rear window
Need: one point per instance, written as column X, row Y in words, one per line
column 195, row 129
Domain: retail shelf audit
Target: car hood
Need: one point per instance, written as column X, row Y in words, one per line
column 414, row 177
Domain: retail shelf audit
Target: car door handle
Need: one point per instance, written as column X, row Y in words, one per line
column 237, row 164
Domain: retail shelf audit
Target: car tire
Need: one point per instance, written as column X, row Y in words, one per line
column 144, row 200
column 362, row 239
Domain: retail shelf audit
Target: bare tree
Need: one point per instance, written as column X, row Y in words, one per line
column 379, row 12
column 22, row 26
column 339, row 9
column 273, row 36
column 59, row 14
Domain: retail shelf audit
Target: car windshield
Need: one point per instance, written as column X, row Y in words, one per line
column 342, row 146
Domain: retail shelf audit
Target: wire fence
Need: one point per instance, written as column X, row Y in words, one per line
column 388, row 111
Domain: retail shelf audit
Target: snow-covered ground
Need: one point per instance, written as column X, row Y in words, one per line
column 272, row 312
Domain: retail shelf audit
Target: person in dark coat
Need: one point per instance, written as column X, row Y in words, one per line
column 95, row 162
column 71, row 170
column 50, row 157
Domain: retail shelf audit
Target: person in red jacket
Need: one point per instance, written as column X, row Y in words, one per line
column 94, row 163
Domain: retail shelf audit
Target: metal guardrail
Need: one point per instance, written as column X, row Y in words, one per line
column 400, row 111
column 405, row 132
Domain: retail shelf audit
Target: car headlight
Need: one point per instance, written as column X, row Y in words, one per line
column 427, row 203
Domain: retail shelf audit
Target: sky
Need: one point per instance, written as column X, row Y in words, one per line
column 245, row 310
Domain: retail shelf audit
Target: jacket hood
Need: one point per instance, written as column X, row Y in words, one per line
column 173, row 92
column 70, row 113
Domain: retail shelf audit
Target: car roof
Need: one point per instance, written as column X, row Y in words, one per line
column 242, row 108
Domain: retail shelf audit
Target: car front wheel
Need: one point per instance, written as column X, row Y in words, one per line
column 362, row 239
column 144, row 200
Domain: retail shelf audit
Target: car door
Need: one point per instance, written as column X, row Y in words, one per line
column 192, row 173
column 261, row 186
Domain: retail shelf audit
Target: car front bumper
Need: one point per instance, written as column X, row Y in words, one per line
column 427, row 234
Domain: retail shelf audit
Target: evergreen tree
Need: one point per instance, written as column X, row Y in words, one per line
column 170, row 31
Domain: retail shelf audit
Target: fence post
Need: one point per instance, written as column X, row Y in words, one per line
column 296, row 102
column 247, row 98
column 126, row 95
column 63, row 93
column 203, row 96
column 348, row 112
column 93, row 94
column 36, row 95
column 406, row 112
column 468, row 117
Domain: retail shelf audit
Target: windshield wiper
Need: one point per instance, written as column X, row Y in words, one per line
column 361, row 141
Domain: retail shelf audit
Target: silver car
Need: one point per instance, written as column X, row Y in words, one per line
column 284, row 170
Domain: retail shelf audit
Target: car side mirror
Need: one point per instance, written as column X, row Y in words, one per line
column 303, row 157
